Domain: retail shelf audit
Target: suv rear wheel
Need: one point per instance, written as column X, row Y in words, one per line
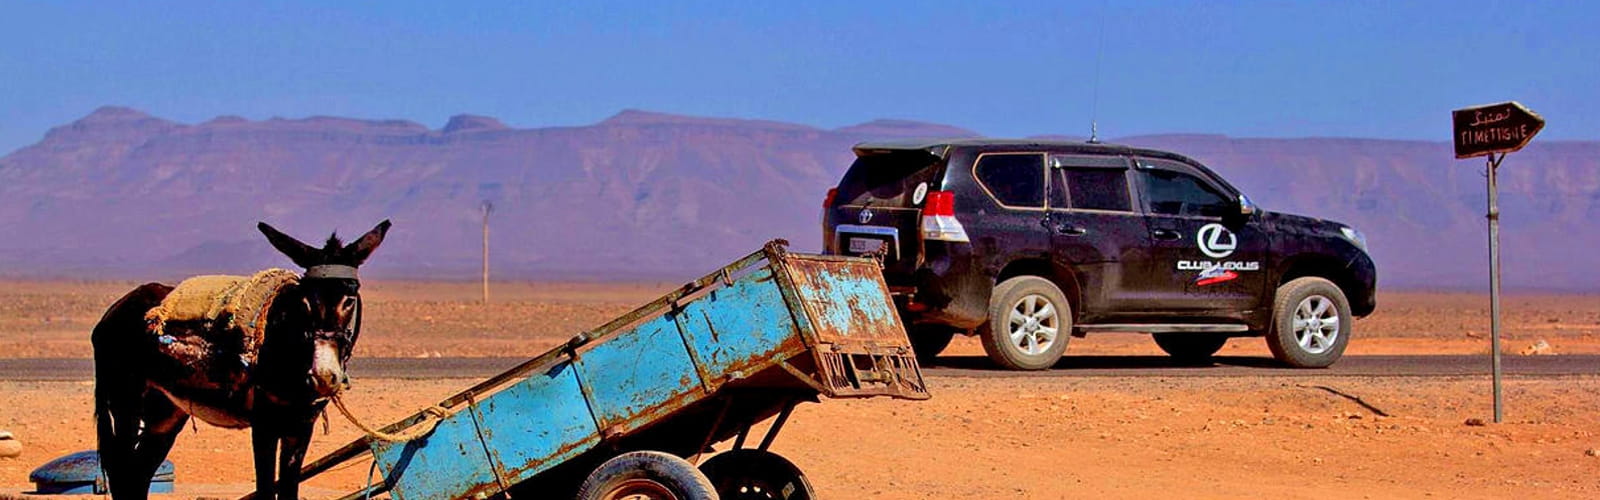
column 1310, row 323
column 1030, row 322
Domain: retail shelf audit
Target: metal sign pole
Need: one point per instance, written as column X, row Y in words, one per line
column 1490, row 130
column 1494, row 280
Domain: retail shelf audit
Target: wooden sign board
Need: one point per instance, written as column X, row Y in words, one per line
column 1494, row 128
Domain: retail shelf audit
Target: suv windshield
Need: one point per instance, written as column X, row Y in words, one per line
column 887, row 178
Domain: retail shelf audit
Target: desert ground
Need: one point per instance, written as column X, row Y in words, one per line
column 985, row 437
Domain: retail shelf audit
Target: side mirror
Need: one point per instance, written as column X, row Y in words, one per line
column 1246, row 207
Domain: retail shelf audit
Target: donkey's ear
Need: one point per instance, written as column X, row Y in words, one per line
column 358, row 252
column 302, row 254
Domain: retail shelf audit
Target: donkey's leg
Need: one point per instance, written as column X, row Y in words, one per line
column 118, row 412
column 264, row 442
column 296, row 439
column 163, row 421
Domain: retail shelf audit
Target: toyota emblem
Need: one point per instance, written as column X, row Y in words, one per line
column 866, row 216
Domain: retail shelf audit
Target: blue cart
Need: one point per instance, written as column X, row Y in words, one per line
column 630, row 409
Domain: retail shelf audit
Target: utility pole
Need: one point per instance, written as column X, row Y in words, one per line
column 487, row 207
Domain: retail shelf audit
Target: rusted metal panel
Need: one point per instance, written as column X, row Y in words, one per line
column 637, row 375
column 526, row 428
column 537, row 424
column 860, row 345
column 444, row 464
column 741, row 329
column 847, row 301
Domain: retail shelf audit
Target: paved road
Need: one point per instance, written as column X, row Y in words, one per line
column 964, row 366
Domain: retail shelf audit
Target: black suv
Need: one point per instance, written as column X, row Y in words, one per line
column 1028, row 243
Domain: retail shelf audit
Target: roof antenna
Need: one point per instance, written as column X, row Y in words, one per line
column 1094, row 102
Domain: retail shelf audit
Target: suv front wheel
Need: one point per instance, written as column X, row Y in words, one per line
column 1030, row 322
column 1311, row 323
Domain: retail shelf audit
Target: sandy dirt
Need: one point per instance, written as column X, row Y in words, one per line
column 1047, row 438
column 1056, row 437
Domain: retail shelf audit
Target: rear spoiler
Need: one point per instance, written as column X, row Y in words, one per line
column 936, row 150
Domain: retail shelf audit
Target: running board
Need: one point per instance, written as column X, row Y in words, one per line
column 1165, row 328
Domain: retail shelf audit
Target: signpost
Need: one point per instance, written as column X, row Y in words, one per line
column 1490, row 130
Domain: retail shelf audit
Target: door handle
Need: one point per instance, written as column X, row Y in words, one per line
column 1071, row 230
column 1166, row 234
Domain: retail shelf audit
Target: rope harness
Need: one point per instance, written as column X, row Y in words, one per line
column 432, row 416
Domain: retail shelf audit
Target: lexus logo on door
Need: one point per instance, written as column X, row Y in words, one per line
column 1216, row 241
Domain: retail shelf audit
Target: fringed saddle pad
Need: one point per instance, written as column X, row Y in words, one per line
column 214, row 325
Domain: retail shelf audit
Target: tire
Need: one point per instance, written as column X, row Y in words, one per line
column 1029, row 344
column 930, row 340
column 1190, row 347
column 1309, row 346
column 649, row 475
column 752, row 474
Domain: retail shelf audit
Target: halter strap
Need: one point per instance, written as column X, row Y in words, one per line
column 331, row 271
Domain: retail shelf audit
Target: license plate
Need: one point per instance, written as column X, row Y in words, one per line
column 866, row 245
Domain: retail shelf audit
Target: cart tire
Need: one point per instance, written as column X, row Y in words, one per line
column 647, row 474
column 752, row 474
column 930, row 340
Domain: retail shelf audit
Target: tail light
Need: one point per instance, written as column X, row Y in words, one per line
column 939, row 218
column 827, row 203
column 940, row 203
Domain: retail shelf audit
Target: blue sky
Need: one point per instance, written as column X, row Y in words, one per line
column 1262, row 69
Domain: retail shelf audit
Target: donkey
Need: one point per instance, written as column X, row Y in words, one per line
column 143, row 396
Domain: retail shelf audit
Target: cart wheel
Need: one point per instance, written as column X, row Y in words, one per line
column 756, row 474
column 646, row 475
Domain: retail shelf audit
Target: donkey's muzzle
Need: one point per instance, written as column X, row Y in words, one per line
column 327, row 375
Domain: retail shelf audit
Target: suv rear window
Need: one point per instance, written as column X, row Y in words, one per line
column 1016, row 180
column 887, row 178
column 1090, row 189
column 1090, row 183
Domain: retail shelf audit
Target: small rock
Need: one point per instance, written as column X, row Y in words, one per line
column 10, row 447
column 1539, row 348
column 1475, row 422
column 1592, row 452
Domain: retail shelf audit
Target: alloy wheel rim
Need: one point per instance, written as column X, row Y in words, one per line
column 1034, row 324
column 1316, row 324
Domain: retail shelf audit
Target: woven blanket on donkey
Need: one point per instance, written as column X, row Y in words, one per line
column 212, row 326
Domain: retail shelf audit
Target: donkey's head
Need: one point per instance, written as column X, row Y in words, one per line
column 323, row 313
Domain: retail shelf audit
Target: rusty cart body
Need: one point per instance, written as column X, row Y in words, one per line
column 698, row 366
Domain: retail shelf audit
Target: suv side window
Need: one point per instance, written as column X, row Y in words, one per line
column 1014, row 179
column 1169, row 191
column 1089, row 183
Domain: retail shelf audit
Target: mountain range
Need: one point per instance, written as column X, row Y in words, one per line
column 640, row 195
